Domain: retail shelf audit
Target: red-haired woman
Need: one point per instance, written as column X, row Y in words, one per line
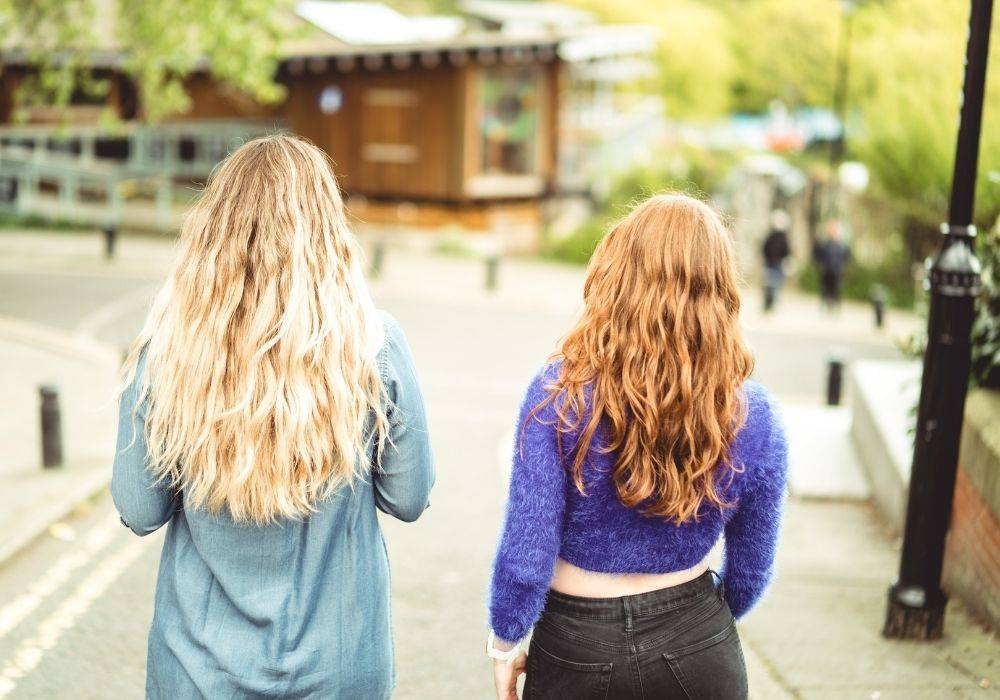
column 641, row 443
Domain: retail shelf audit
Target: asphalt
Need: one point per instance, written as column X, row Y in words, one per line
column 75, row 605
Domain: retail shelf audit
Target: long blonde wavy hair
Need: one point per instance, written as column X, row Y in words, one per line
column 259, row 370
column 660, row 352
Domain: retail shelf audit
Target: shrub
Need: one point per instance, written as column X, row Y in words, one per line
column 986, row 327
column 692, row 171
column 15, row 221
column 577, row 247
column 861, row 278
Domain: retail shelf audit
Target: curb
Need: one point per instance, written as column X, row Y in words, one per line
column 72, row 268
column 882, row 393
column 47, row 338
column 88, row 487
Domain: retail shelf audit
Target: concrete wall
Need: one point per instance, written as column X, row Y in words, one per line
column 972, row 556
column 884, row 396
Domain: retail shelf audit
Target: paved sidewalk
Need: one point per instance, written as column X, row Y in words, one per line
column 535, row 284
column 800, row 314
column 817, row 633
column 815, row 636
column 86, row 374
column 145, row 256
column 823, row 462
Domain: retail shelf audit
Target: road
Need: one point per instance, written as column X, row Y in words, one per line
column 74, row 613
column 112, row 309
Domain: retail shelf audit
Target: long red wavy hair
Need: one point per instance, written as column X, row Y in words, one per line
column 660, row 347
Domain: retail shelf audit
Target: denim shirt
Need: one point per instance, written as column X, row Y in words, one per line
column 297, row 609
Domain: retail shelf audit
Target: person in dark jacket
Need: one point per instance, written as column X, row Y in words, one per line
column 832, row 256
column 775, row 250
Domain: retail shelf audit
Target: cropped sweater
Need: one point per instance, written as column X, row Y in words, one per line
column 547, row 516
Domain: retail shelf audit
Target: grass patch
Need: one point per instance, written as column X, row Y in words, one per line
column 34, row 221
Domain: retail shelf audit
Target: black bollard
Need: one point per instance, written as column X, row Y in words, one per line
column 492, row 271
column 878, row 304
column 834, row 381
column 110, row 239
column 52, row 453
column 378, row 259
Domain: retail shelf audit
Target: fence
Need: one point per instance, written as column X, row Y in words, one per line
column 123, row 176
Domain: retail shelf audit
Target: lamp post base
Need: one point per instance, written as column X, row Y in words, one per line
column 913, row 613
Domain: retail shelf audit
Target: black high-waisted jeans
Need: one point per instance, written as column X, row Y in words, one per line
column 677, row 642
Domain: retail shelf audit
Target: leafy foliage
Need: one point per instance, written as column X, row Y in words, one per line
column 236, row 41
column 986, row 328
column 861, row 278
column 10, row 222
column 695, row 60
column 722, row 55
column 694, row 171
column 54, row 36
column 904, row 87
column 785, row 50
column 908, row 82
column 908, row 86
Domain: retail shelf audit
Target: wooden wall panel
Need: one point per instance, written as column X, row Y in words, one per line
column 334, row 133
column 407, row 135
column 211, row 100
column 397, row 133
column 552, row 88
column 400, row 133
column 10, row 79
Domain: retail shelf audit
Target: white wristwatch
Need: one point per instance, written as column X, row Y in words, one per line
column 494, row 653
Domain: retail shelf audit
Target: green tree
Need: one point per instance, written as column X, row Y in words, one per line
column 697, row 63
column 784, row 50
column 694, row 57
column 161, row 43
column 907, row 88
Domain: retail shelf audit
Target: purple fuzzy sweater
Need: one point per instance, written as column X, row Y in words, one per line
column 547, row 517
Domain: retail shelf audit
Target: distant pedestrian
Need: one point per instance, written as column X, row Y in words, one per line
column 775, row 251
column 269, row 410
column 639, row 444
column 832, row 256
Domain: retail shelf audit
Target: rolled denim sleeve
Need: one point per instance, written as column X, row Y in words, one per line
column 404, row 475
column 143, row 504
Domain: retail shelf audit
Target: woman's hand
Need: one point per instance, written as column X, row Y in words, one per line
column 505, row 676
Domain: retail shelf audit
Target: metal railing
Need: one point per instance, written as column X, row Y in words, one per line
column 123, row 176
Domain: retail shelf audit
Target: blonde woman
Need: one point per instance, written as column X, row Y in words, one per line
column 269, row 410
column 640, row 444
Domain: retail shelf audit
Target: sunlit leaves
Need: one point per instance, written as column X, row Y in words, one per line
column 695, row 59
column 908, row 79
column 159, row 43
column 785, row 50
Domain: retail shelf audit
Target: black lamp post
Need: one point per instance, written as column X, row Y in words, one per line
column 916, row 601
